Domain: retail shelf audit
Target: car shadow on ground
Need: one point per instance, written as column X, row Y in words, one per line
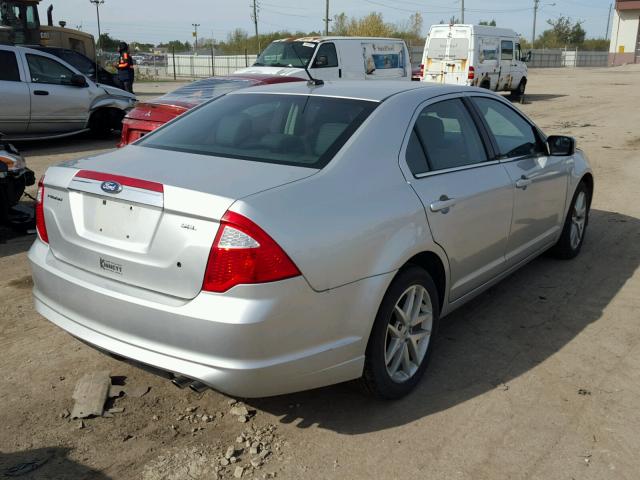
column 538, row 97
column 503, row 333
column 67, row 145
column 41, row 463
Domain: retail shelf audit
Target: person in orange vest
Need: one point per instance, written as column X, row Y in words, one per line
column 125, row 67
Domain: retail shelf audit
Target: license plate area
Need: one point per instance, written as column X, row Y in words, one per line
column 115, row 222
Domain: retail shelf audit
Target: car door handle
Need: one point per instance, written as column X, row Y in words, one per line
column 40, row 92
column 443, row 205
column 523, row 182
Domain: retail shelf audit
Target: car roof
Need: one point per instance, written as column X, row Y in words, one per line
column 371, row 90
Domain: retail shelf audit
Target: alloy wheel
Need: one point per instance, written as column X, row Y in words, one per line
column 578, row 219
column 408, row 333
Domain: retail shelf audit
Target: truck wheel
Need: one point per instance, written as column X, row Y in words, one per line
column 518, row 93
column 400, row 343
column 101, row 124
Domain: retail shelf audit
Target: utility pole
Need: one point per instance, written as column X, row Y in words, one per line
column 195, row 34
column 606, row 34
column 536, row 3
column 97, row 3
column 462, row 16
column 326, row 20
column 254, row 17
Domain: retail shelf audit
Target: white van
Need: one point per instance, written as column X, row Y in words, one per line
column 335, row 58
column 475, row 55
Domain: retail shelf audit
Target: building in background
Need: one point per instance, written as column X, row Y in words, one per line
column 625, row 35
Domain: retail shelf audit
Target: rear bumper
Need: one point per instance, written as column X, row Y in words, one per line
column 252, row 341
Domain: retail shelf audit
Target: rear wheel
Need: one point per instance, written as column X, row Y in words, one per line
column 518, row 93
column 575, row 225
column 400, row 343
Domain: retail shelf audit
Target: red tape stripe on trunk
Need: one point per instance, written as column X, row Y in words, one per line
column 125, row 181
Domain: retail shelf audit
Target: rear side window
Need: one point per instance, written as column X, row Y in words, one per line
column 449, row 136
column 507, row 50
column 416, row 159
column 300, row 130
column 46, row 70
column 513, row 134
column 329, row 54
column 9, row 67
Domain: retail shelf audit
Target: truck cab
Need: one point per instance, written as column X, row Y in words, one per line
column 19, row 22
column 475, row 55
column 335, row 58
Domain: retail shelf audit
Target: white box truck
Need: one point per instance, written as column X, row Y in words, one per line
column 475, row 55
column 335, row 58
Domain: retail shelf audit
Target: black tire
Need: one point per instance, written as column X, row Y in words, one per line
column 376, row 378
column 518, row 93
column 566, row 248
column 101, row 124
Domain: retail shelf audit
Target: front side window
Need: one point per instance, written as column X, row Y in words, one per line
column 46, row 70
column 286, row 54
column 514, row 136
column 299, row 130
column 326, row 57
column 507, row 50
column 9, row 67
column 518, row 52
column 449, row 136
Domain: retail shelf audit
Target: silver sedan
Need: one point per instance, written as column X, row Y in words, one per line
column 292, row 236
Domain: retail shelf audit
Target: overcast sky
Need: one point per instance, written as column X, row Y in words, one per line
column 154, row 21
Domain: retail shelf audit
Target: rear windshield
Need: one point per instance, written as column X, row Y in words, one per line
column 203, row 90
column 300, row 130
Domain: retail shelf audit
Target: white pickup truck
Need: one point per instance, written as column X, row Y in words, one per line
column 45, row 97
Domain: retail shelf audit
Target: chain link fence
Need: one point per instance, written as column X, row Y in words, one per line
column 567, row 58
column 175, row 66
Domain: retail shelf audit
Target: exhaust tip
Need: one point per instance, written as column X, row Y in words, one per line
column 198, row 387
column 181, row 382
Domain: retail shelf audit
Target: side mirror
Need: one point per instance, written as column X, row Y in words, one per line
column 560, row 146
column 79, row 81
column 527, row 57
column 321, row 61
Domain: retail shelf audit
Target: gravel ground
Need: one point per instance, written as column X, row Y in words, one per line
column 536, row 379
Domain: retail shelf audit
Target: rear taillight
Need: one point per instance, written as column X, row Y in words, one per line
column 472, row 73
column 244, row 253
column 41, row 227
column 422, row 70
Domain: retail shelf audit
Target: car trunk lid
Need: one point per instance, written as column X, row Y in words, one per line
column 141, row 217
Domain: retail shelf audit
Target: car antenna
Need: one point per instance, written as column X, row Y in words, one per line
column 312, row 82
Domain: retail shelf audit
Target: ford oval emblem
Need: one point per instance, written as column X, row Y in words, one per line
column 111, row 187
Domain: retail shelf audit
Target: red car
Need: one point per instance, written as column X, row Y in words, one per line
column 148, row 116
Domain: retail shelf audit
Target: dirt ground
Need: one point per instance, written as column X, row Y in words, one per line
column 539, row 378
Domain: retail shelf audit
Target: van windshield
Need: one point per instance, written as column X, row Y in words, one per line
column 286, row 54
column 300, row 130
